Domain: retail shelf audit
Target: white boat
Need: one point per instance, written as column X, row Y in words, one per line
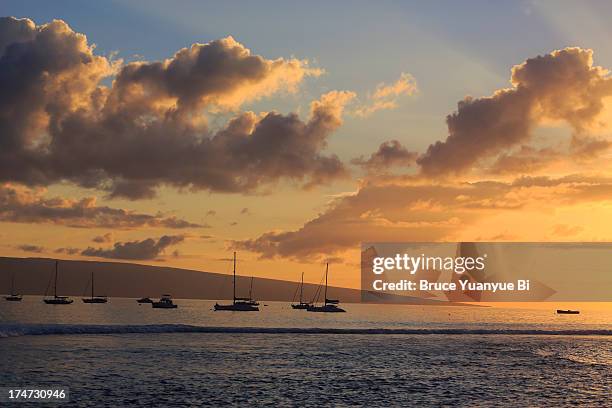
column 94, row 299
column 302, row 305
column 13, row 297
column 329, row 305
column 165, row 302
column 57, row 300
column 239, row 304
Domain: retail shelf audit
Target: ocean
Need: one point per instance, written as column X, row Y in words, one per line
column 122, row 354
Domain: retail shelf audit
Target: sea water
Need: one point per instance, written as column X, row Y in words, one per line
column 123, row 353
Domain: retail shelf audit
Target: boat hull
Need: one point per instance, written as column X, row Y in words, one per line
column 325, row 309
column 13, row 298
column 157, row 305
column 238, row 307
column 144, row 301
column 573, row 312
column 94, row 300
column 58, row 301
column 301, row 306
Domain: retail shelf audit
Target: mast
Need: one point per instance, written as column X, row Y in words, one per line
column 301, row 288
column 326, row 269
column 55, row 284
column 13, row 284
column 92, row 284
column 234, row 280
column 251, row 290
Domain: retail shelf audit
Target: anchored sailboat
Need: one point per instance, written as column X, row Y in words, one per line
column 330, row 305
column 239, row 304
column 13, row 297
column 302, row 304
column 57, row 300
column 94, row 299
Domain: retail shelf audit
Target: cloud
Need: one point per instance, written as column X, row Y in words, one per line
column 404, row 210
column 104, row 239
column 389, row 154
column 147, row 249
column 386, row 96
column 68, row 251
column 560, row 86
column 59, row 122
column 23, row 205
column 31, row 248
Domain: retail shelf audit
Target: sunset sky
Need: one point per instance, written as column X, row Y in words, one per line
column 173, row 134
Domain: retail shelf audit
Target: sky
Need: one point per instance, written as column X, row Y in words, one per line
column 173, row 134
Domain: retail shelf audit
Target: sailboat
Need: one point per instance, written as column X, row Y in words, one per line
column 239, row 304
column 94, row 299
column 302, row 304
column 57, row 300
column 13, row 297
column 250, row 299
column 330, row 305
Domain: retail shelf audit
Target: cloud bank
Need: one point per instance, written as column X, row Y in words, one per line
column 563, row 85
column 59, row 122
column 22, row 205
column 148, row 249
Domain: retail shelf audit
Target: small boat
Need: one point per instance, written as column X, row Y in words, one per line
column 94, row 299
column 568, row 311
column 330, row 305
column 13, row 297
column 165, row 302
column 144, row 300
column 239, row 304
column 57, row 300
column 302, row 305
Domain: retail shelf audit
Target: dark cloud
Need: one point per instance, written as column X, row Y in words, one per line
column 58, row 122
column 147, row 249
column 560, row 86
column 68, row 251
column 23, row 205
column 389, row 154
column 31, row 248
column 104, row 239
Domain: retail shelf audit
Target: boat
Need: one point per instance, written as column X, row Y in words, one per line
column 13, row 297
column 250, row 300
column 57, row 300
column 165, row 302
column 239, row 304
column 302, row 305
column 329, row 305
column 144, row 300
column 568, row 311
column 94, row 299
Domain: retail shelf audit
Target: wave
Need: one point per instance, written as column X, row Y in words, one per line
column 13, row 330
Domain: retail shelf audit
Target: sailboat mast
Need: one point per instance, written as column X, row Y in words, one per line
column 326, row 269
column 13, row 284
column 55, row 284
column 251, row 289
column 234, row 280
column 92, row 284
column 302, row 288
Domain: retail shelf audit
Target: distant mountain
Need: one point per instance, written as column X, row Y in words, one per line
column 33, row 276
